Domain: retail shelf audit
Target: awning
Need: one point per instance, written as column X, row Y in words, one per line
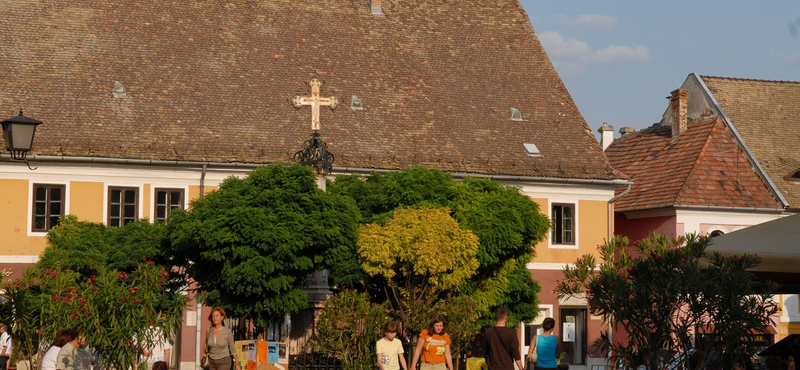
column 786, row 346
column 709, row 329
column 777, row 242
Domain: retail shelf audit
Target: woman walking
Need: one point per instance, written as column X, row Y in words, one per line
column 546, row 346
column 219, row 343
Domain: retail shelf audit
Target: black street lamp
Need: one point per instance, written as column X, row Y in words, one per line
column 18, row 132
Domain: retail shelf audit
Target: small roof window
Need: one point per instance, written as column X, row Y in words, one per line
column 356, row 103
column 532, row 150
column 119, row 90
column 516, row 115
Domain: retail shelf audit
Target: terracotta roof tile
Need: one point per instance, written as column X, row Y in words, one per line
column 767, row 116
column 702, row 167
column 212, row 81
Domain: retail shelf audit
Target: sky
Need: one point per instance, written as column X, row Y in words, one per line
column 620, row 59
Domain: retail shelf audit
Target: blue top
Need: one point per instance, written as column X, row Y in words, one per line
column 546, row 348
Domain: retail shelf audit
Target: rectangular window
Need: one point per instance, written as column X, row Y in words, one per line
column 563, row 224
column 48, row 206
column 573, row 335
column 166, row 201
column 123, row 206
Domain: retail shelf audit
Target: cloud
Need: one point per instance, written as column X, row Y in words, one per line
column 571, row 56
column 615, row 53
column 556, row 46
column 591, row 20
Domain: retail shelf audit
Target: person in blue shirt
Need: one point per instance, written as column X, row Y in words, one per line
column 546, row 346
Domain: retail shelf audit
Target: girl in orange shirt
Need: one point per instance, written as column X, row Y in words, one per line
column 434, row 345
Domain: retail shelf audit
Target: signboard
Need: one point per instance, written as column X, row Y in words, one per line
column 568, row 332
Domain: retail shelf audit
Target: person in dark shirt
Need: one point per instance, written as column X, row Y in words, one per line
column 502, row 344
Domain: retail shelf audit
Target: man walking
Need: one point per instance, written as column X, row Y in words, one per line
column 502, row 344
column 5, row 346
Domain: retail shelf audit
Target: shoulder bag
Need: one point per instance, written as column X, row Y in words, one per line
column 205, row 361
column 535, row 355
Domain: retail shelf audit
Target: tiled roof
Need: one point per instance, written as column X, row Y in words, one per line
column 213, row 80
column 701, row 167
column 767, row 116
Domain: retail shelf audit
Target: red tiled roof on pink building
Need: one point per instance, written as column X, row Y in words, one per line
column 701, row 167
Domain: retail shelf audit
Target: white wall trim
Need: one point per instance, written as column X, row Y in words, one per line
column 20, row 258
column 547, row 265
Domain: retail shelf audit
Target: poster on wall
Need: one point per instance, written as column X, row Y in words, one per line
column 263, row 349
column 241, row 350
column 272, row 353
column 251, row 350
column 283, row 353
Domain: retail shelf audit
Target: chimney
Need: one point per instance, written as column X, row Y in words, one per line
column 678, row 105
column 607, row 133
column 626, row 130
column 375, row 7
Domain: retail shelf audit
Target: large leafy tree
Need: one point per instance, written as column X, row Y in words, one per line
column 89, row 247
column 660, row 289
column 121, row 302
column 507, row 223
column 420, row 253
column 251, row 244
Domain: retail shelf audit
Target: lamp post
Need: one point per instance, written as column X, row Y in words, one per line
column 18, row 132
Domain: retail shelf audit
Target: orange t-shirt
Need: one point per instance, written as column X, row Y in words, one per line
column 434, row 347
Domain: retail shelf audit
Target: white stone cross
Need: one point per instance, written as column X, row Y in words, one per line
column 315, row 102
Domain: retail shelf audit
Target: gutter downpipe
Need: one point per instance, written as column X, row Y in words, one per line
column 610, row 235
column 197, row 340
column 203, row 180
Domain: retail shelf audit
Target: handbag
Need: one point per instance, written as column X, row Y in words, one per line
column 534, row 357
column 205, row 361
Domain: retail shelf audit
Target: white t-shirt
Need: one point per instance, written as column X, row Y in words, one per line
column 157, row 353
column 49, row 359
column 5, row 341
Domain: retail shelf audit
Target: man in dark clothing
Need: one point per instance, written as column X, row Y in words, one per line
column 502, row 344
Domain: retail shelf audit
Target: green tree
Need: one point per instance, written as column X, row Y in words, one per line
column 118, row 313
column 88, row 247
column 76, row 285
column 421, row 253
column 348, row 328
column 251, row 244
column 660, row 289
column 508, row 224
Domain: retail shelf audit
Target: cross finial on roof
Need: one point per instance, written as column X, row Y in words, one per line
column 315, row 101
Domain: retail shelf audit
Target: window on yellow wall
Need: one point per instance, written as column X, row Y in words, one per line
column 166, row 201
column 563, row 216
column 48, row 206
column 123, row 205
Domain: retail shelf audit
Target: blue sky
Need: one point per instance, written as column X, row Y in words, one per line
column 619, row 59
